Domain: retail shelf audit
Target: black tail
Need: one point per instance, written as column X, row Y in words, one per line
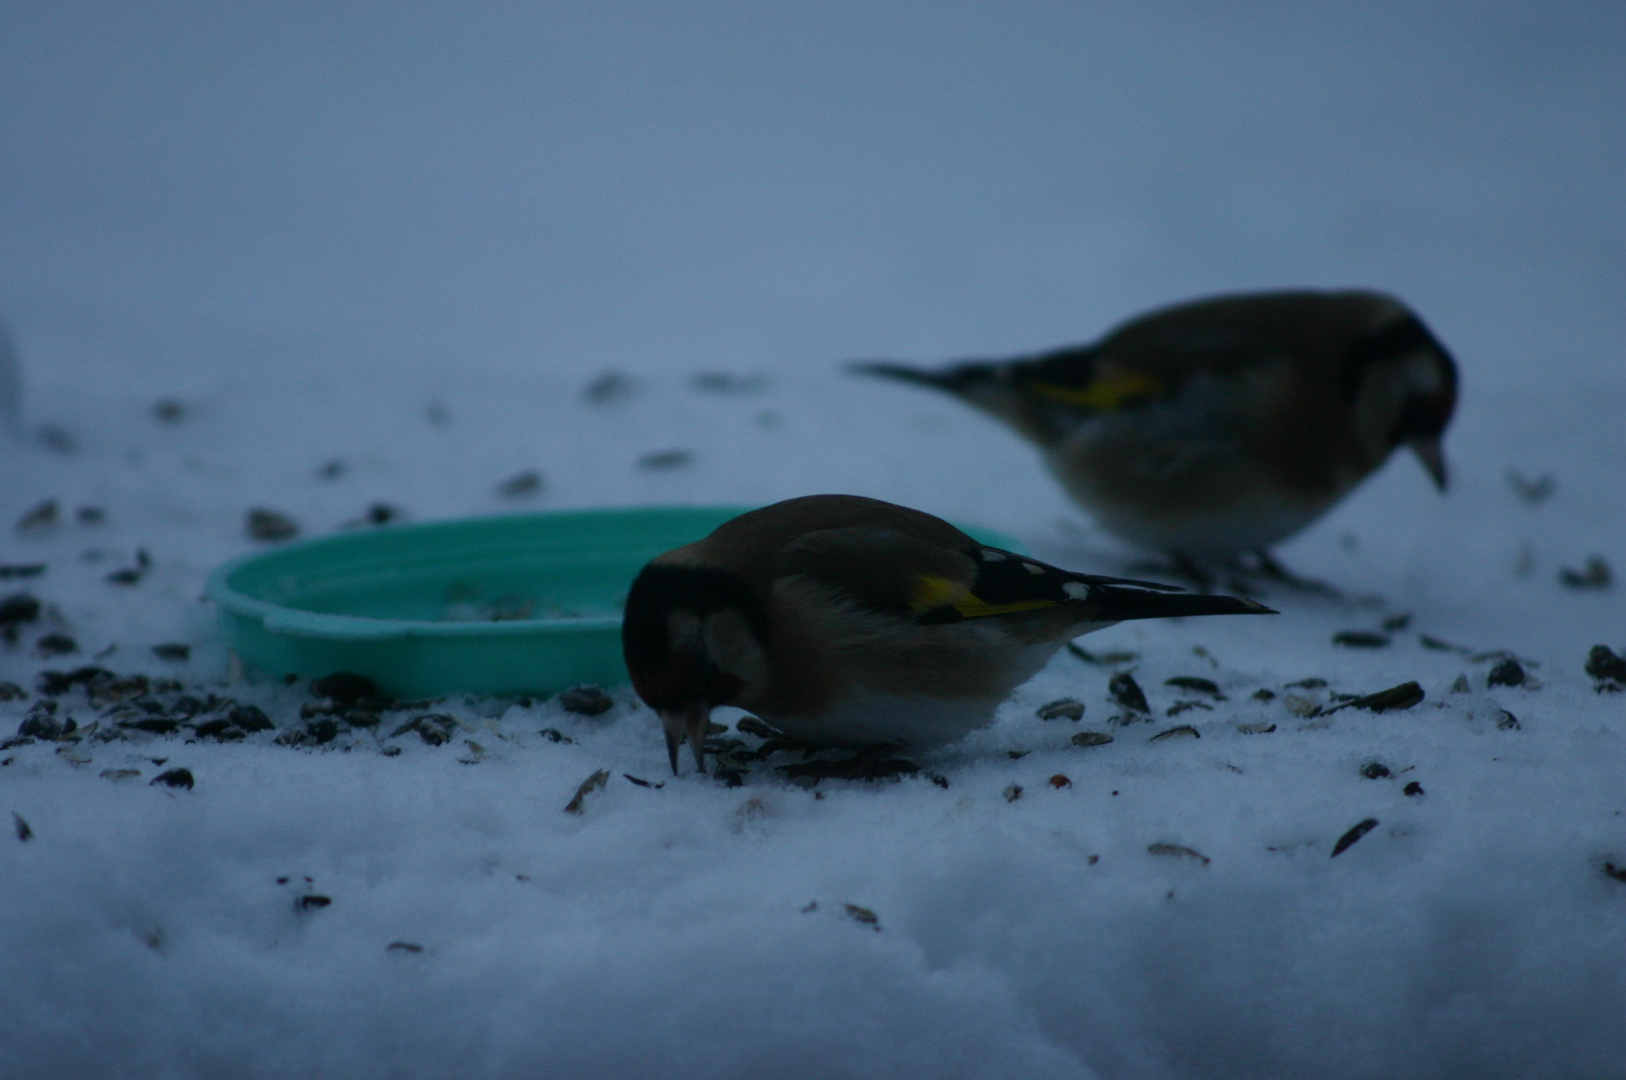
column 1115, row 603
column 961, row 379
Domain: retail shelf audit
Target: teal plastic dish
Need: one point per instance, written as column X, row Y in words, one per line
column 521, row 604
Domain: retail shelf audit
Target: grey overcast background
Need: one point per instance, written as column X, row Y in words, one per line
column 589, row 185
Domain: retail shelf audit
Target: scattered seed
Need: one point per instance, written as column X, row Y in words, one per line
column 1180, row 731
column 40, row 517
column 665, row 459
column 173, row 652
column 181, row 778
column 1442, row 646
column 1616, row 872
column 1186, row 706
column 940, row 781
column 264, row 524
column 1375, row 770
column 1506, row 673
column 1178, row 851
column 1506, row 721
column 21, row 570
column 120, row 774
column 332, row 470
column 1531, row 491
column 1358, row 830
column 169, row 410
column 1062, row 709
column 550, row 734
column 433, row 728
column 858, row 914
column 1127, row 692
column 1360, row 639
column 124, row 577
column 722, row 382
column 250, row 718
column 1102, row 659
column 1260, row 728
column 1013, row 793
column 1091, row 738
column 1403, row 696
column 19, row 608
column 1460, row 686
column 1414, row 789
column 10, row 691
column 1595, row 575
column 312, row 902
column 1192, row 682
column 1060, row 781
column 1602, row 664
column 643, row 783
column 24, row 832
column 521, row 484
column 587, row 787
column 587, row 699
column 1396, row 623
column 1308, row 684
column 1264, row 695
column 609, row 387
column 403, row 946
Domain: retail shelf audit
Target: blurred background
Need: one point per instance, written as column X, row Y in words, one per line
column 319, row 224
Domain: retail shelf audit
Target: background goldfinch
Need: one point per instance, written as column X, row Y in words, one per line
column 1227, row 424
column 849, row 621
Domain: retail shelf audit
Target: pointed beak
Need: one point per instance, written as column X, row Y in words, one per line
column 689, row 722
column 1433, row 458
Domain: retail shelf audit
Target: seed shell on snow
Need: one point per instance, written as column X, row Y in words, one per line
column 1179, row 731
column 1178, row 851
column 1358, row 830
column 1091, row 738
column 1062, row 709
column 1127, row 692
column 576, row 805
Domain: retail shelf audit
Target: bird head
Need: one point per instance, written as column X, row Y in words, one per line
column 694, row 638
column 1405, row 391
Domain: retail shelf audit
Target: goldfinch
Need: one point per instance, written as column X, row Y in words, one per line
column 849, row 621
column 1223, row 425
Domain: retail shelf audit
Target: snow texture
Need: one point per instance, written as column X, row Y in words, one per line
column 315, row 258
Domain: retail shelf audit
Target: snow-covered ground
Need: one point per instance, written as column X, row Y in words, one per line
column 405, row 239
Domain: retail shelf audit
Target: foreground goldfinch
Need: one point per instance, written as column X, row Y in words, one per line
column 1223, row 425
column 850, row 621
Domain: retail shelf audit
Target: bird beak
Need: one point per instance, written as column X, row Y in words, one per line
column 1433, row 458
column 689, row 722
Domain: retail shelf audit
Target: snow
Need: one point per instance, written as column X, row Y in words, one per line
column 407, row 237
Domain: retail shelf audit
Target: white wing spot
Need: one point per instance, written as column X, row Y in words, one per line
column 1077, row 590
column 1033, row 568
column 990, row 555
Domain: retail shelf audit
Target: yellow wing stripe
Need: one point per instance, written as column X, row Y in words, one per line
column 932, row 592
column 1104, row 394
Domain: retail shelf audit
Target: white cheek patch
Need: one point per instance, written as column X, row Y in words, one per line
column 1077, row 590
column 1033, row 568
column 990, row 555
column 734, row 648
